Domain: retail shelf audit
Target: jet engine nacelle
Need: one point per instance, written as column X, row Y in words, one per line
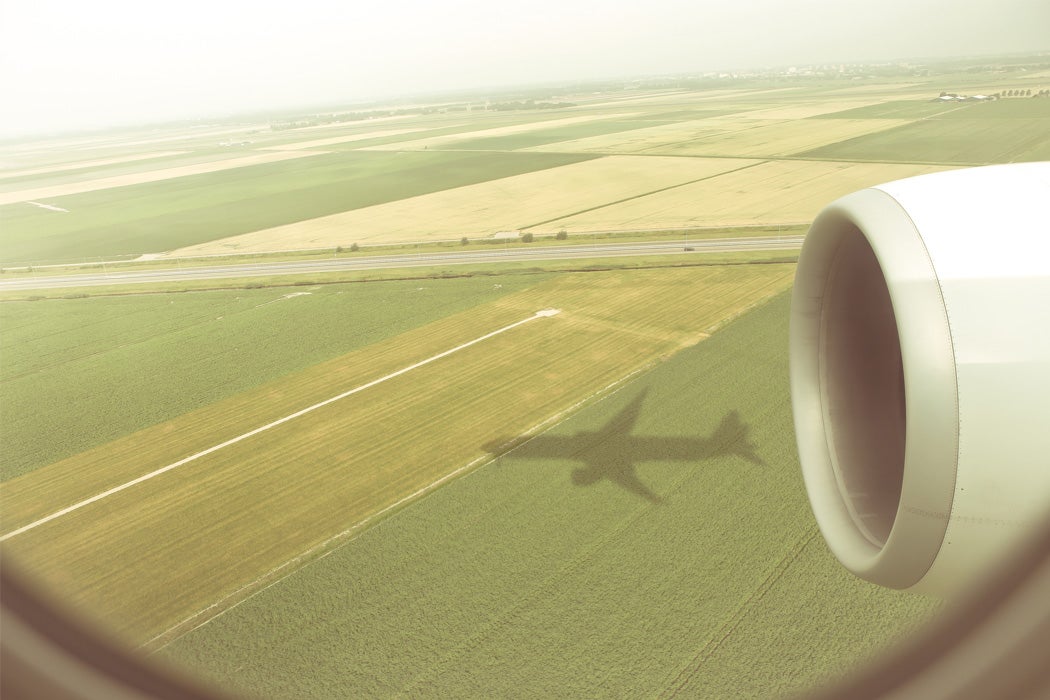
column 920, row 373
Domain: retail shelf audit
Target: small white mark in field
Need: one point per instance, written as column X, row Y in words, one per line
column 286, row 296
column 273, row 424
column 50, row 207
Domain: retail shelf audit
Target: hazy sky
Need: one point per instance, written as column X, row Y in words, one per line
column 69, row 63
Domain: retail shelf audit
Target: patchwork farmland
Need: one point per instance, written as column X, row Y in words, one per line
column 418, row 486
column 444, row 176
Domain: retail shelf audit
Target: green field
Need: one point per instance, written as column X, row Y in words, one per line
column 902, row 109
column 286, row 491
column 169, row 214
column 519, row 582
column 603, row 502
column 80, row 372
column 1004, row 131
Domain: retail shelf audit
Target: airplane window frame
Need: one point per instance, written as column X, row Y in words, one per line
column 991, row 643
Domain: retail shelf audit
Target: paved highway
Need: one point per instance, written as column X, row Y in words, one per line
column 375, row 262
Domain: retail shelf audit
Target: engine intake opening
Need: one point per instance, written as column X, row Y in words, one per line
column 862, row 381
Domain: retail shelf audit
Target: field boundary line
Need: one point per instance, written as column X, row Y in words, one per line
column 647, row 194
column 537, row 429
column 273, row 424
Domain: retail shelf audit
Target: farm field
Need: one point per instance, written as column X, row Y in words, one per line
column 282, row 493
column 77, row 373
column 67, row 178
column 643, row 140
column 349, row 138
column 450, row 494
column 59, row 151
column 897, row 109
column 524, row 580
column 768, row 138
column 805, row 108
column 171, row 214
column 543, row 137
column 768, row 192
column 1000, row 132
column 539, row 125
column 321, row 196
column 505, row 204
column 82, row 164
column 335, row 137
column 58, row 191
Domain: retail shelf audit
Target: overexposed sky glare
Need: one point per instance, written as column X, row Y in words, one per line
column 68, row 64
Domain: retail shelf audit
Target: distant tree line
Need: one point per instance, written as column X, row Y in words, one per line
column 1022, row 93
column 527, row 104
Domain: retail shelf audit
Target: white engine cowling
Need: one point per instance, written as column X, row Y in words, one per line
column 920, row 372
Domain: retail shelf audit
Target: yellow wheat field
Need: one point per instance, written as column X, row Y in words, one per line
column 509, row 203
column 769, row 193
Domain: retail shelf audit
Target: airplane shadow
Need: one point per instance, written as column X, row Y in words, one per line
column 612, row 452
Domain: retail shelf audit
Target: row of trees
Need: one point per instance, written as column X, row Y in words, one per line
column 525, row 238
column 1008, row 93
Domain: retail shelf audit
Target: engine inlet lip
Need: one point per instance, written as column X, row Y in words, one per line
column 931, row 395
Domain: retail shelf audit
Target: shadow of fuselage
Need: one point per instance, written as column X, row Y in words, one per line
column 612, row 452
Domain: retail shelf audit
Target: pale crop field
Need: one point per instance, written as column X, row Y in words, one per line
column 161, row 553
column 771, row 138
column 640, row 140
column 509, row 203
column 139, row 178
column 80, row 164
column 738, row 135
column 774, row 192
column 67, row 149
column 804, row 110
column 451, row 139
column 333, row 140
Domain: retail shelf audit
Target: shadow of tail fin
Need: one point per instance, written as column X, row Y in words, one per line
column 731, row 437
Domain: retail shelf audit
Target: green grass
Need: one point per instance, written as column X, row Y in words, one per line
column 79, row 372
column 527, row 267
column 165, row 215
column 899, row 109
column 286, row 491
column 518, row 581
column 950, row 139
column 547, row 136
